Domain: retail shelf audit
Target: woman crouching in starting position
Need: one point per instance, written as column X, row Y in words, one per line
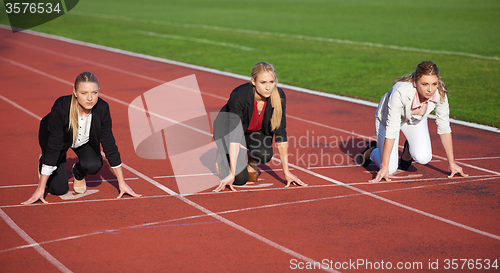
column 80, row 121
column 406, row 107
column 254, row 113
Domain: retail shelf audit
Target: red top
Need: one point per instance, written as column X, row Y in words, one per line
column 256, row 121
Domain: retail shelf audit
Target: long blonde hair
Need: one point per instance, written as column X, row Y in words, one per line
column 425, row 68
column 275, row 96
column 73, row 109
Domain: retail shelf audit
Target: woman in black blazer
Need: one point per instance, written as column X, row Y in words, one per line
column 80, row 121
column 254, row 113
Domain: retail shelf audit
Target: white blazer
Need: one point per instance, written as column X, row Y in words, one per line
column 395, row 108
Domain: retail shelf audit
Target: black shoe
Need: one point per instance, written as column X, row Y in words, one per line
column 405, row 164
column 366, row 161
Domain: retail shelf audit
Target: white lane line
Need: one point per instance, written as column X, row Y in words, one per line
column 183, row 175
column 333, row 180
column 242, row 190
column 196, row 40
column 367, row 138
column 350, row 195
column 74, row 58
column 86, row 201
column 224, row 220
column 158, row 185
column 333, row 167
column 36, row 71
column 480, row 158
column 203, row 209
column 223, row 73
column 204, row 174
column 110, row 68
column 252, row 185
column 469, row 165
column 19, row 106
column 155, row 114
column 241, row 210
column 406, row 180
column 32, row 243
column 284, row 35
column 100, row 94
column 253, row 234
column 90, row 181
column 497, row 237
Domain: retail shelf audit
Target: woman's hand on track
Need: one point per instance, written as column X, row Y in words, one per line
column 455, row 169
column 383, row 173
column 37, row 195
column 124, row 188
column 227, row 181
column 292, row 179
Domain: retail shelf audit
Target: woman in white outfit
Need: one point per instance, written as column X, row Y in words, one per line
column 406, row 107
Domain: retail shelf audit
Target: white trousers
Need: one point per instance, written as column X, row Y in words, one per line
column 419, row 143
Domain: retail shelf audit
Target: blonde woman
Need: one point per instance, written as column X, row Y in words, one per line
column 406, row 107
column 80, row 121
column 254, row 113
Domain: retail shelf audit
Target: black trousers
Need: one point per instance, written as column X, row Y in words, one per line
column 89, row 163
column 260, row 148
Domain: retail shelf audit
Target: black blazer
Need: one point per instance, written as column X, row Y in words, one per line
column 55, row 138
column 241, row 103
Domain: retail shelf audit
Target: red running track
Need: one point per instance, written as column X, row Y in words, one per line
column 340, row 221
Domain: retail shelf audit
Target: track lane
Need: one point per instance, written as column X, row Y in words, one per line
column 297, row 98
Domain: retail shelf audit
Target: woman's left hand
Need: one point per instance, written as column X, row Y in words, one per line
column 291, row 178
column 455, row 169
column 124, row 188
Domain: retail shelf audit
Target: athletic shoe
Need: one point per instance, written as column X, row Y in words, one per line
column 366, row 161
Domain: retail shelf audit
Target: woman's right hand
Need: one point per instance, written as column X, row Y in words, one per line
column 227, row 181
column 37, row 195
column 383, row 173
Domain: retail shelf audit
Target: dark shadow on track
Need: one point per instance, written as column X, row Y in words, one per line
column 104, row 174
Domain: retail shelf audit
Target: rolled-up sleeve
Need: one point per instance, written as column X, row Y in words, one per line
column 395, row 108
column 55, row 129
column 108, row 140
column 281, row 134
column 443, row 117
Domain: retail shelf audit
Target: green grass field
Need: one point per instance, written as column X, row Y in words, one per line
column 353, row 48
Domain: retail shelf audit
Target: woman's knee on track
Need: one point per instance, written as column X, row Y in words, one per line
column 393, row 167
column 58, row 189
column 91, row 167
column 241, row 178
column 422, row 158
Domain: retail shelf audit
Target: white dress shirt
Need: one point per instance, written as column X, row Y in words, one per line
column 395, row 107
column 82, row 137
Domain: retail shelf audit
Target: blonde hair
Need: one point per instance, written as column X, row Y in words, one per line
column 425, row 68
column 73, row 109
column 275, row 96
